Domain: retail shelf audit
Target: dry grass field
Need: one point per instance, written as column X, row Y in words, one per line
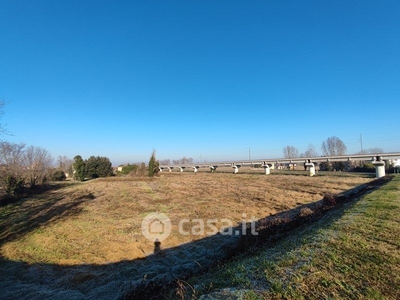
column 85, row 239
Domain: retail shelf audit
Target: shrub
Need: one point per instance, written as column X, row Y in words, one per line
column 330, row 200
column 339, row 165
column 305, row 211
column 98, row 167
column 58, row 175
column 325, row 166
column 128, row 169
column 142, row 170
column 366, row 167
column 14, row 185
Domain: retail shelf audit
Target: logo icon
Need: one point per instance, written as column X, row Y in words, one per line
column 156, row 226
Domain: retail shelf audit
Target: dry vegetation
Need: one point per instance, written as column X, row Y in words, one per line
column 92, row 230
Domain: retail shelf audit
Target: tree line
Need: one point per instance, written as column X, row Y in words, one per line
column 332, row 146
column 23, row 166
column 182, row 161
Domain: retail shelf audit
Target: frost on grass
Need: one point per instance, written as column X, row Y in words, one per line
column 107, row 281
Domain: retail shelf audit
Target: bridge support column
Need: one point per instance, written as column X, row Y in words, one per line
column 195, row 168
column 181, row 169
column 311, row 168
column 379, row 166
column 266, row 167
column 170, row 169
column 213, row 169
column 235, row 168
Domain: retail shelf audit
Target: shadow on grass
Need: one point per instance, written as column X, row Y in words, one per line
column 29, row 192
column 149, row 278
column 17, row 219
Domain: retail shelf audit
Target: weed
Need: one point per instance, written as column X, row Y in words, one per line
column 305, row 212
column 251, row 295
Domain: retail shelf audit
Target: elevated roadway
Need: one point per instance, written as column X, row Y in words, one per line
column 378, row 160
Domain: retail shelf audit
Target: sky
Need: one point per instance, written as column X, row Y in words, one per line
column 213, row 80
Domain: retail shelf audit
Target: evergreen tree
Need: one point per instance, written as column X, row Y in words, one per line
column 97, row 166
column 153, row 165
column 79, row 168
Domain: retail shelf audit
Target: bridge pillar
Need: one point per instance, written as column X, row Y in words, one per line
column 213, row 169
column 195, row 168
column 379, row 166
column 181, row 169
column 311, row 168
column 235, row 168
column 266, row 167
column 170, row 169
column 160, row 169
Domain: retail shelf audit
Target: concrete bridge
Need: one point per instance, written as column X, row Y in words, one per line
column 378, row 160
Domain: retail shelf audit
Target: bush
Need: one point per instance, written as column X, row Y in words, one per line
column 129, row 169
column 305, row 212
column 142, row 170
column 98, row 167
column 58, row 175
column 366, row 167
column 14, row 185
column 339, row 166
column 325, row 166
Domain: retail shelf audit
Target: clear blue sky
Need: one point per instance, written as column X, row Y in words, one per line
column 201, row 79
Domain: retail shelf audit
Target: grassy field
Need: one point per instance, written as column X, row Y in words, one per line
column 351, row 253
column 84, row 240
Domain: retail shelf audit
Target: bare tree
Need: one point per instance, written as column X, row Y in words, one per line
column 65, row 164
column 290, row 152
column 3, row 127
column 182, row 161
column 11, row 169
column 165, row 162
column 374, row 150
column 36, row 162
column 333, row 146
column 310, row 152
column 11, row 157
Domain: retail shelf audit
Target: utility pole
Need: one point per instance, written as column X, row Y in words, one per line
column 249, row 154
column 361, row 142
